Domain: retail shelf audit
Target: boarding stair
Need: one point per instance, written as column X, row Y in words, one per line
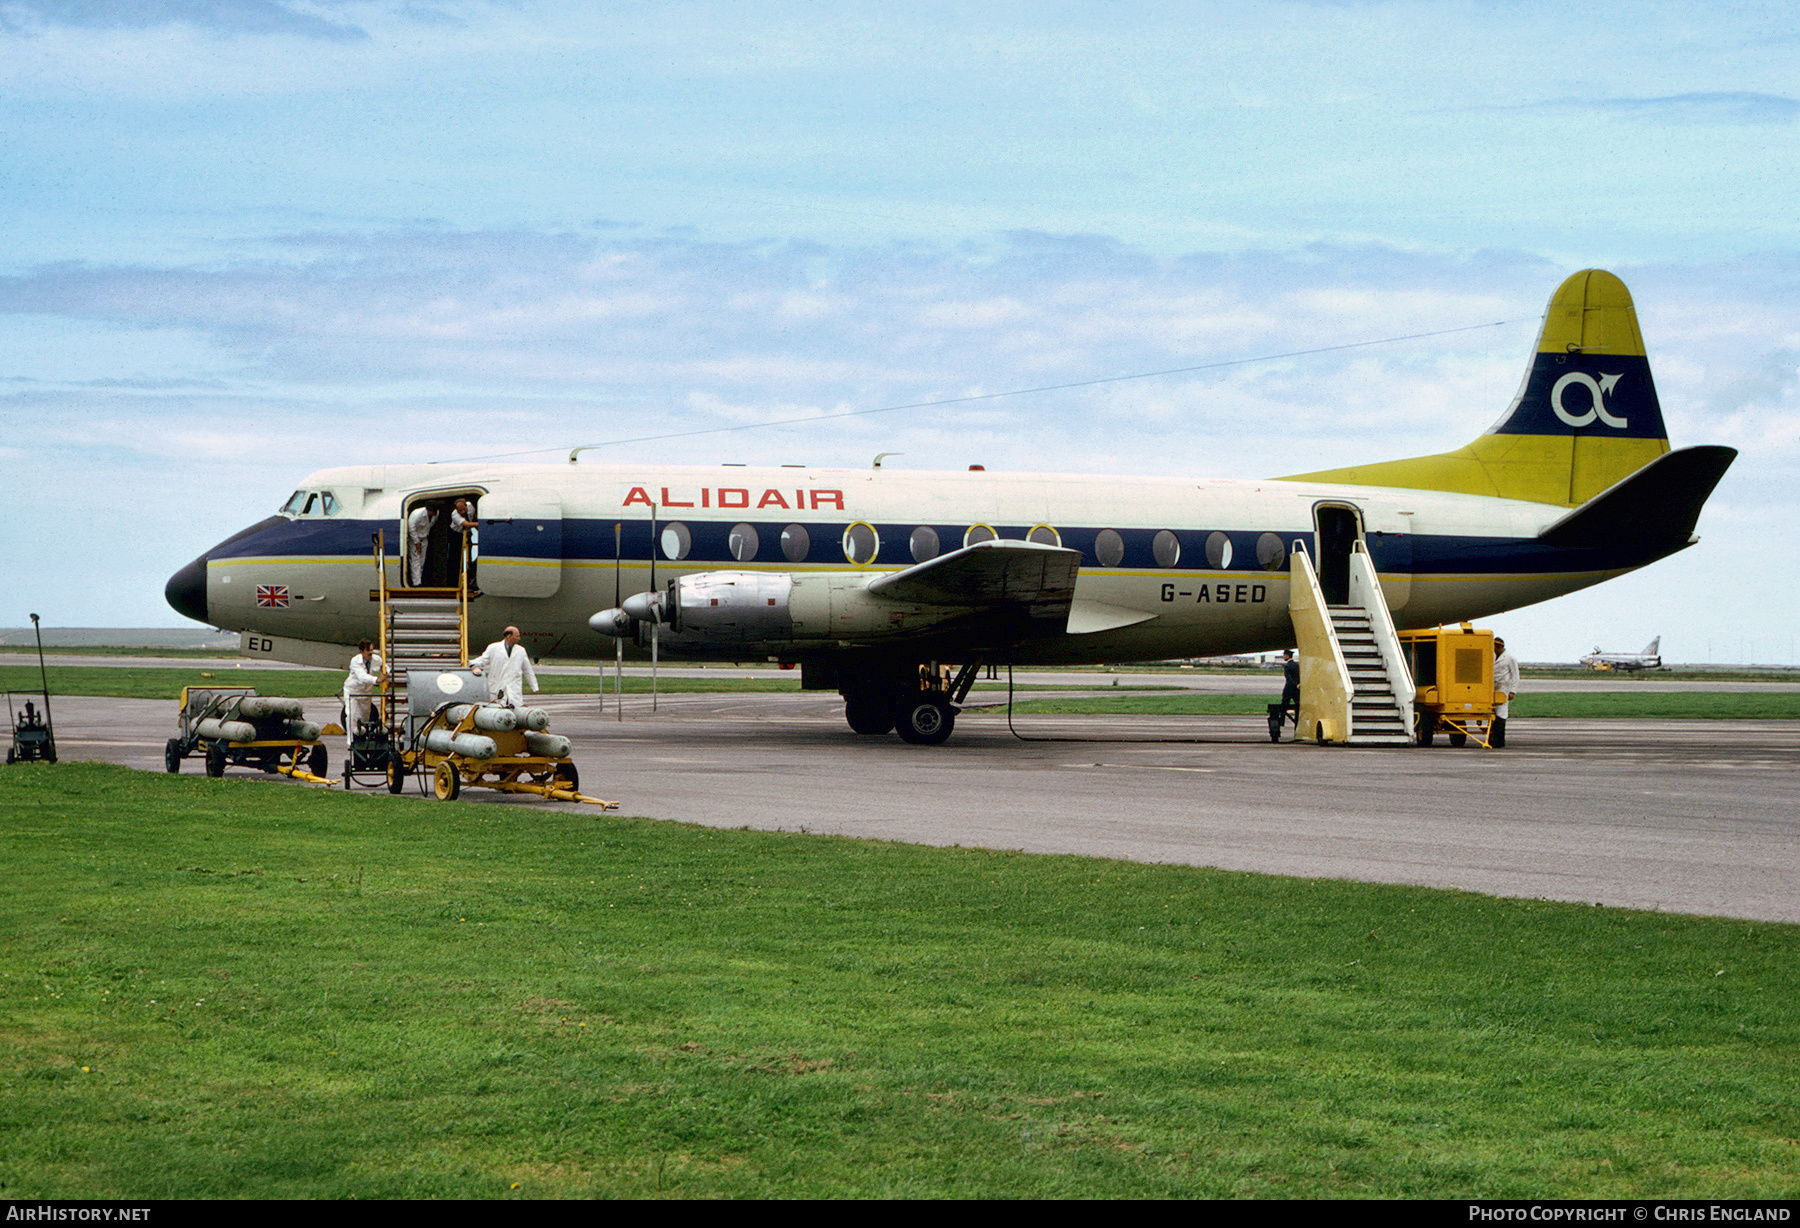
column 422, row 628
column 1355, row 687
column 1376, row 718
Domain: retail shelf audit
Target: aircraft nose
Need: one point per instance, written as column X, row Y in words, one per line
column 186, row 591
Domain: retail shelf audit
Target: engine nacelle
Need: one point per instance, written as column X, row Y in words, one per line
column 772, row 609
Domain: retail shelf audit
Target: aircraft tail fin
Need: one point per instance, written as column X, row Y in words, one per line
column 1651, row 647
column 1585, row 418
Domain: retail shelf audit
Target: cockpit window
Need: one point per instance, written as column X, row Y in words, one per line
column 312, row 505
column 292, row 506
column 332, row 506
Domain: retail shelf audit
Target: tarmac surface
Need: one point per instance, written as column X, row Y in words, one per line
column 1683, row 816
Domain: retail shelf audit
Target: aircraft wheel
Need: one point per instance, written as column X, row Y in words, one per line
column 317, row 763
column 868, row 714
column 215, row 761
column 1425, row 724
column 1457, row 739
column 396, row 775
column 446, row 782
column 925, row 722
column 1274, row 724
column 172, row 756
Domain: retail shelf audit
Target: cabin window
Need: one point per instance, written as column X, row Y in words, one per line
column 1270, row 552
column 1044, row 535
column 1109, row 548
column 796, row 543
column 676, row 540
column 924, row 543
column 744, row 542
column 1166, row 547
column 861, row 545
column 1218, row 551
column 978, row 533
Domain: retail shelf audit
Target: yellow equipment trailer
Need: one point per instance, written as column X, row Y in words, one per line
column 1453, row 671
column 235, row 725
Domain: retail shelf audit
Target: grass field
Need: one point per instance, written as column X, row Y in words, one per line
column 227, row 988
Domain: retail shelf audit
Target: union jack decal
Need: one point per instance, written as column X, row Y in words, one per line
column 271, row 596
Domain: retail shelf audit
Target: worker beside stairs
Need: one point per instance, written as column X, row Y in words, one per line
column 1506, row 682
column 506, row 666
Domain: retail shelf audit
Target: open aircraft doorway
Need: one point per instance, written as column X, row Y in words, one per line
column 1339, row 528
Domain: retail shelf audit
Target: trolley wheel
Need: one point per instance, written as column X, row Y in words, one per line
column 446, row 782
column 1457, row 739
column 1425, row 724
column 215, row 760
column 172, row 756
column 568, row 777
column 1274, row 723
column 396, row 775
column 12, row 756
column 316, row 761
column 347, row 781
column 924, row 722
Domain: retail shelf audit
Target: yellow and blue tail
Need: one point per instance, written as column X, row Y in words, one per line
column 1585, row 419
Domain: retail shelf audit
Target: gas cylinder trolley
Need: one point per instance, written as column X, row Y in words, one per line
column 235, row 725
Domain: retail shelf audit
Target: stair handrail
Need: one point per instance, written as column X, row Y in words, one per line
column 1325, row 685
column 1365, row 590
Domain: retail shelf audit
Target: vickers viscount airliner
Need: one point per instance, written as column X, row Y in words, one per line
column 869, row 578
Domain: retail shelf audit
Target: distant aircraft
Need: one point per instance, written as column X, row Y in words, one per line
column 869, row 578
column 1627, row 661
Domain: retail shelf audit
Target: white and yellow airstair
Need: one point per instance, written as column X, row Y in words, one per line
column 1355, row 688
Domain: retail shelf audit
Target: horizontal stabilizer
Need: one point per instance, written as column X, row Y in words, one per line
column 1660, row 502
column 987, row 574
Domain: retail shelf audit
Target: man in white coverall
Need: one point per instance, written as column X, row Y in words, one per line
column 366, row 676
column 418, row 531
column 1506, row 681
column 504, row 664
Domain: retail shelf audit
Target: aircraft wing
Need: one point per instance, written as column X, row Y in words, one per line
column 1019, row 576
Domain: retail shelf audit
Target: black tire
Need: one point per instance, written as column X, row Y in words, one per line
column 396, row 775
column 12, row 756
column 348, row 782
column 1457, row 739
column 215, row 761
column 869, row 714
column 317, row 762
column 172, row 756
column 925, row 722
column 446, row 782
column 1274, row 724
column 568, row 777
column 1425, row 725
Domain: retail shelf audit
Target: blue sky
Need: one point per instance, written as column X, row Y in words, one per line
column 246, row 239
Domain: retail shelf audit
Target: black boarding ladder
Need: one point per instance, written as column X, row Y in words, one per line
column 1354, row 684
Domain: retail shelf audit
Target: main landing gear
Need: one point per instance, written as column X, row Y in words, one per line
column 918, row 702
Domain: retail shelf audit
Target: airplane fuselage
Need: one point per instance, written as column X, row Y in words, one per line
column 1190, row 567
